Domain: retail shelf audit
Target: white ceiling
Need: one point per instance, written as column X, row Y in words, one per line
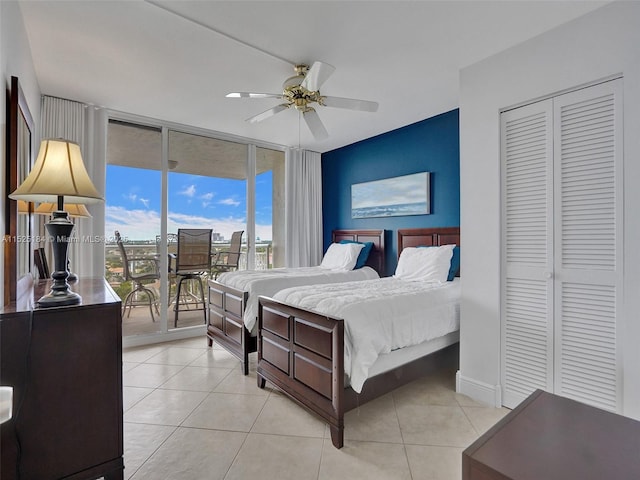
column 176, row 60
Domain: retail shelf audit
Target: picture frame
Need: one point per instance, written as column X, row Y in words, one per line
column 391, row 197
column 19, row 160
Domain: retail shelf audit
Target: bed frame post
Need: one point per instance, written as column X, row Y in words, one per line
column 302, row 354
column 337, row 432
column 225, row 324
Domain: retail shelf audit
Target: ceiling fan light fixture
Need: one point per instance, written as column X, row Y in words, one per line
column 292, row 82
column 301, row 69
column 303, row 89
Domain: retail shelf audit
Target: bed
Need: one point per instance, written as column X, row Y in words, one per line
column 233, row 297
column 302, row 351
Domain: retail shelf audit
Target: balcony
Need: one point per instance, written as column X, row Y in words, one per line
column 138, row 320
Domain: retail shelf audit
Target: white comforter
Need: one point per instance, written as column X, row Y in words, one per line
column 381, row 315
column 268, row 282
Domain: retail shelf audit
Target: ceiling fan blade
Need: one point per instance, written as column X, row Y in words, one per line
column 350, row 103
column 268, row 113
column 253, row 95
column 315, row 124
column 317, row 75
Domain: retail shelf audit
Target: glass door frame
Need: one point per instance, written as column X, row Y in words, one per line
column 187, row 332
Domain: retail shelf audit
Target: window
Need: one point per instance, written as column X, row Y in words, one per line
column 204, row 182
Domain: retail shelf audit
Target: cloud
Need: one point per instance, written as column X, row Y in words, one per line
column 189, row 191
column 145, row 202
column 134, row 224
column 206, row 199
column 141, row 224
column 229, row 201
column 131, row 197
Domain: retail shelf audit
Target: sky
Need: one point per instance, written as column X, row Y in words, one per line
column 133, row 203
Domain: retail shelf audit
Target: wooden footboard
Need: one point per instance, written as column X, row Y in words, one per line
column 225, row 324
column 302, row 353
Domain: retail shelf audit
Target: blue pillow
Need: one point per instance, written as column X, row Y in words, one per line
column 364, row 253
column 455, row 261
column 455, row 264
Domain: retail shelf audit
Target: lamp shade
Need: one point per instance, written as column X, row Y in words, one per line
column 24, row 207
column 58, row 171
column 73, row 209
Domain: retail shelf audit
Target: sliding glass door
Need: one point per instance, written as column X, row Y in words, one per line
column 133, row 209
column 207, row 189
column 161, row 178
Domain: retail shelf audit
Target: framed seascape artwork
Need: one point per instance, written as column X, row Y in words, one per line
column 391, row 197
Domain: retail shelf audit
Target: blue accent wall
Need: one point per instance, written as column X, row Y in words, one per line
column 431, row 145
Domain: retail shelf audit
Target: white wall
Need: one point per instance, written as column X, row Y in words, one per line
column 15, row 60
column 596, row 46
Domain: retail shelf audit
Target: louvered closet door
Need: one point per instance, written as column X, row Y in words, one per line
column 588, row 243
column 562, row 246
column 527, row 261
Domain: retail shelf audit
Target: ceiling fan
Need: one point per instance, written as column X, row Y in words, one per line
column 303, row 89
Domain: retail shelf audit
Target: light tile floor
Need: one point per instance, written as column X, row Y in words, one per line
column 190, row 414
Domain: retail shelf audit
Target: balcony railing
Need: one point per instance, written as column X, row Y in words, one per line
column 113, row 267
column 138, row 320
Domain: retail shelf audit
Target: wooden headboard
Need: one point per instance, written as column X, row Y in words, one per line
column 414, row 237
column 376, row 257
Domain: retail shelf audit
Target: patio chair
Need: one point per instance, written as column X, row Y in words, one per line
column 193, row 260
column 172, row 250
column 227, row 260
column 138, row 269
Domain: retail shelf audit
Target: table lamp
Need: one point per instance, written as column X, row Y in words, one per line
column 75, row 210
column 72, row 209
column 58, row 176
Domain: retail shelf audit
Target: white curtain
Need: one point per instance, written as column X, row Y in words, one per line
column 77, row 122
column 303, row 208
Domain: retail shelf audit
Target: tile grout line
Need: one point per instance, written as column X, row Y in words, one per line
column 246, row 436
column 404, row 446
column 175, row 427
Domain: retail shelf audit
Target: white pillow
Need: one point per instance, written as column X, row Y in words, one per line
column 425, row 264
column 341, row 256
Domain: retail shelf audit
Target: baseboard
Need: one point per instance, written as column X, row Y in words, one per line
column 158, row 337
column 479, row 391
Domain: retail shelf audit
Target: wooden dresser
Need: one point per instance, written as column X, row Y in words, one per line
column 548, row 437
column 65, row 366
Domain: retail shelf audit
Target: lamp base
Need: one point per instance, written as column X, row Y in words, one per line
column 72, row 276
column 54, row 299
column 60, row 228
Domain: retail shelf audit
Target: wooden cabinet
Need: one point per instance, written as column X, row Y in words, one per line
column 555, row 438
column 65, row 365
